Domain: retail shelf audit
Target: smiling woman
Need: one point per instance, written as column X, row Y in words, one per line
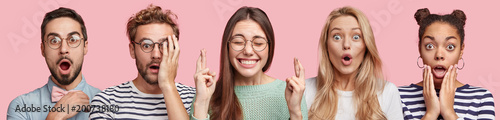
column 243, row 90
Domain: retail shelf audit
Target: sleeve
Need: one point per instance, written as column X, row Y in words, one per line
column 12, row 113
column 406, row 112
column 98, row 113
column 395, row 109
column 487, row 108
column 303, row 108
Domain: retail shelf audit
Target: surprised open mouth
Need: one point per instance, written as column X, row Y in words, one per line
column 64, row 66
column 346, row 59
column 439, row 71
column 154, row 68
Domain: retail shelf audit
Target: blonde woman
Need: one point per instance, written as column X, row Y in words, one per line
column 350, row 83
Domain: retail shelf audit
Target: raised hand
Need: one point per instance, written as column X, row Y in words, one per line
column 72, row 99
column 430, row 97
column 166, row 79
column 447, row 94
column 169, row 63
column 205, row 86
column 294, row 91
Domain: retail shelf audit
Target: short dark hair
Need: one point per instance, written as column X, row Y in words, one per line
column 63, row 12
column 456, row 19
column 152, row 14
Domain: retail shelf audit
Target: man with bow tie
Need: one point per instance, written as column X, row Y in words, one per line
column 64, row 45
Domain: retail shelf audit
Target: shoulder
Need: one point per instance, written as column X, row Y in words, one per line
column 113, row 91
column 32, row 96
column 186, row 92
column 390, row 89
column 310, row 91
column 91, row 91
column 311, row 81
column 389, row 86
column 480, row 92
column 182, row 87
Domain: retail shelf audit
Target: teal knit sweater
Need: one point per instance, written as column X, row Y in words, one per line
column 264, row 102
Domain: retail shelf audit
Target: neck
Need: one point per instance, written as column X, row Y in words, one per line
column 72, row 85
column 345, row 81
column 145, row 87
column 257, row 79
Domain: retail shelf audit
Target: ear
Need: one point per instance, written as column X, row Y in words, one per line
column 131, row 49
column 85, row 47
column 462, row 50
column 42, row 48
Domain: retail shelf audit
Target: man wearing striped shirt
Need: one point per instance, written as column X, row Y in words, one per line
column 153, row 94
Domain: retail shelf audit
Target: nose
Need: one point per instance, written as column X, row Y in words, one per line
column 248, row 50
column 347, row 44
column 156, row 53
column 64, row 49
column 439, row 55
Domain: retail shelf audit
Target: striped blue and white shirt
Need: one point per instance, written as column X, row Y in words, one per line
column 125, row 101
column 471, row 103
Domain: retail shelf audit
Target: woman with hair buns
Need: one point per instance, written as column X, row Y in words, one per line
column 440, row 95
column 350, row 83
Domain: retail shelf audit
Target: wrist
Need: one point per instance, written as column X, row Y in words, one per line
column 200, row 109
column 168, row 86
column 450, row 115
column 296, row 115
column 55, row 116
column 430, row 116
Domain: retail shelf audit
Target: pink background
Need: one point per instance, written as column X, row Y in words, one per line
column 297, row 27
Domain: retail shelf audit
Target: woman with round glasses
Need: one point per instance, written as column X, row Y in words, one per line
column 440, row 95
column 243, row 90
column 350, row 84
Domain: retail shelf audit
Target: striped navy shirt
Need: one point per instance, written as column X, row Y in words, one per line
column 471, row 103
column 125, row 101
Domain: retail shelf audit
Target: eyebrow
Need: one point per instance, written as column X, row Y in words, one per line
column 341, row 29
column 447, row 38
column 145, row 38
column 432, row 38
column 241, row 35
column 451, row 37
column 69, row 34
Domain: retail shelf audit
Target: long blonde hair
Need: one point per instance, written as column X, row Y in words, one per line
column 368, row 80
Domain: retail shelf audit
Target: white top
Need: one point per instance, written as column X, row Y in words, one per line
column 389, row 100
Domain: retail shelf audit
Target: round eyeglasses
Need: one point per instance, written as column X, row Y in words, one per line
column 238, row 43
column 148, row 45
column 55, row 42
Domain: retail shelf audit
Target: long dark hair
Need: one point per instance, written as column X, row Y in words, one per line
column 224, row 103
